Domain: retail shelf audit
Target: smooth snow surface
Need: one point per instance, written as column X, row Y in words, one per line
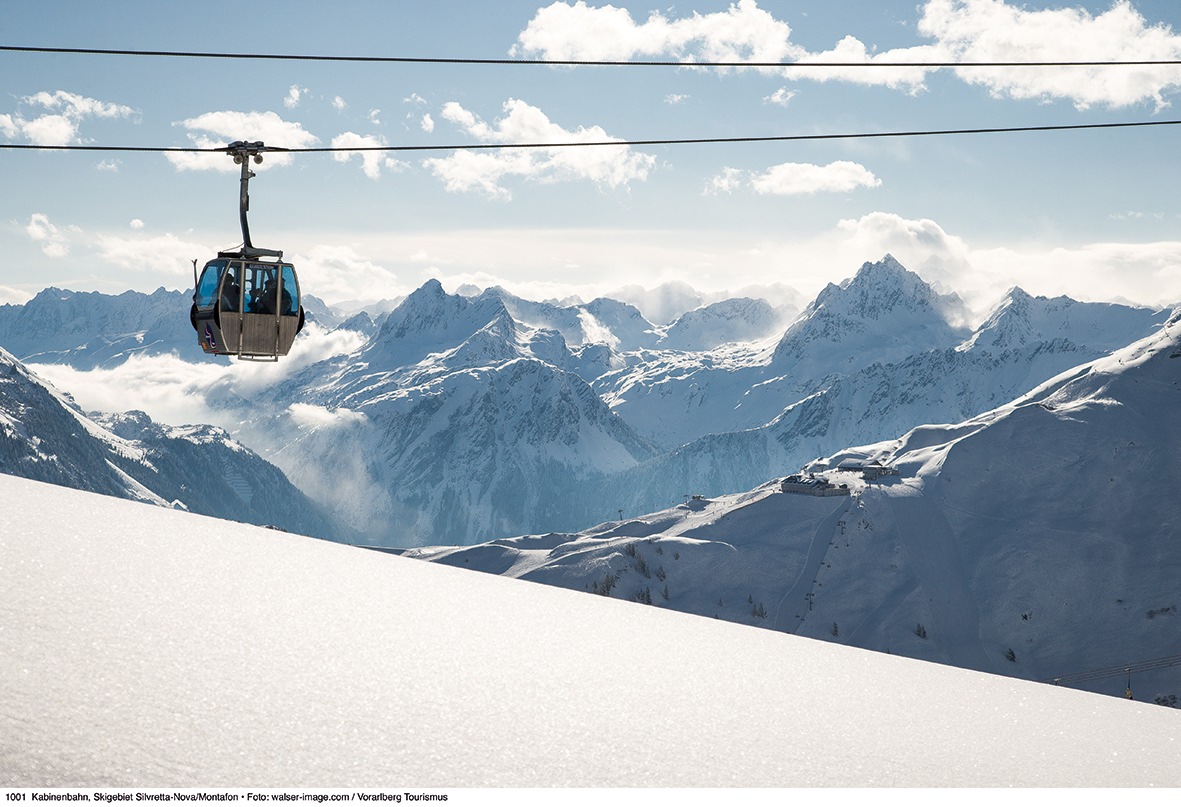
column 146, row 647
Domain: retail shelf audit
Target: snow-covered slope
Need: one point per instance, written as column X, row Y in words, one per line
column 1038, row 540
column 141, row 647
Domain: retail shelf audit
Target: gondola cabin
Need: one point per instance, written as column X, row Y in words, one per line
column 247, row 308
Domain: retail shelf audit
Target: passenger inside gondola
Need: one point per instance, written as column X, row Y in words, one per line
column 231, row 289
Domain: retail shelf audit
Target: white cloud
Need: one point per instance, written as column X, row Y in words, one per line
column 995, row 30
column 53, row 241
column 318, row 417
column 920, row 244
column 60, row 125
column 606, row 166
column 372, row 162
column 11, row 296
column 166, row 255
column 1147, row 274
column 51, row 130
column 788, row 179
column 852, row 50
column 781, row 97
column 673, row 99
column 959, row 30
column 374, row 117
column 338, row 104
column 111, row 166
column 217, row 129
column 744, row 32
column 337, row 273
column 728, row 181
column 174, row 391
column 294, row 96
column 794, row 179
column 427, row 123
column 79, row 106
column 136, row 224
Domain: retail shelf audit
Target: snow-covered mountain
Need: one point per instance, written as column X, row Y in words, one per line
column 90, row 329
column 87, row 330
column 883, row 314
column 869, row 358
column 1037, row 540
column 454, row 420
column 44, row 436
column 148, row 648
column 740, row 319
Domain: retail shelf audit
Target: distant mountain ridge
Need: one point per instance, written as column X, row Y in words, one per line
column 469, row 416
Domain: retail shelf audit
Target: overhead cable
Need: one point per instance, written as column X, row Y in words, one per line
column 584, row 62
column 591, row 143
column 1111, row 672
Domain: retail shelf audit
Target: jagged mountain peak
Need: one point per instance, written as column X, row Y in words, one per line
column 430, row 320
column 882, row 313
column 878, row 289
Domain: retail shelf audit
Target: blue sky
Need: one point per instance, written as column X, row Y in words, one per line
column 1090, row 214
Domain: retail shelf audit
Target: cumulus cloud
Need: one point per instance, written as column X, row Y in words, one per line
column 217, row 129
column 795, row 179
column 913, row 240
column 791, row 179
column 340, row 273
column 166, row 254
column 957, row 30
column 606, row 166
column 427, row 123
column 372, row 162
column 338, row 104
column 850, row 50
column 996, row 30
column 111, row 166
column 742, row 33
column 54, row 242
column 60, row 123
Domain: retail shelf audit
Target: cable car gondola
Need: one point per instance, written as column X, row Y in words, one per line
column 246, row 302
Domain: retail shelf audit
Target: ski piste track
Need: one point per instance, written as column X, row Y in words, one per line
column 786, row 619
